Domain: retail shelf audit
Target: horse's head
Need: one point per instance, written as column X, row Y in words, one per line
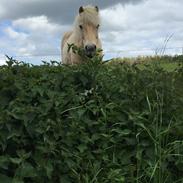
column 87, row 26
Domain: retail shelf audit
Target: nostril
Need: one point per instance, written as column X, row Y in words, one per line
column 86, row 47
column 95, row 47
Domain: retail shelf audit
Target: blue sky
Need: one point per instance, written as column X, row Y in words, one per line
column 33, row 30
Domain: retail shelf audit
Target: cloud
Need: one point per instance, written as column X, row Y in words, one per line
column 2, row 10
column 14, row 42
column 143, row 26
column 11, row 33
column 39, row 23
column 59, row 11
column 2, row 59
column 33, row 36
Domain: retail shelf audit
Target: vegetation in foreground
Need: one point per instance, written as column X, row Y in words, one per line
column 91, row 123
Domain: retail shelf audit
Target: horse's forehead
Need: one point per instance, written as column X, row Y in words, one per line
column 89, row 19
column 90, row 22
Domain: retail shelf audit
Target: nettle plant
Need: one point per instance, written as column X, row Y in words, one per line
column 82, row 53
column 91, row 122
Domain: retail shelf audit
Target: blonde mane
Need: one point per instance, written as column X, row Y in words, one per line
column 84, row 34
column 90, row 15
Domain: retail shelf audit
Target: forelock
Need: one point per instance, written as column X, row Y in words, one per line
column 88, row 16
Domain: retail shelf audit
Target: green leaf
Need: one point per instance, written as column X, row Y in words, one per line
column 4, row 161
column 49, row 169
column 26, row 170
column 122, row 132
column 16, row 180
column 16, row 160
column 23, row 155
column 5, row 179
column 82, row 147
column 64, row 179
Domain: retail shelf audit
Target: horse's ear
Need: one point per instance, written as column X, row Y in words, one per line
column 97, row 9
column 81, row 9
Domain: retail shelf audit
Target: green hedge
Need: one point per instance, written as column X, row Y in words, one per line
column 91, row 123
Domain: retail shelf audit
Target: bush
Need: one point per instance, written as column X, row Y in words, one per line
column 91, row 123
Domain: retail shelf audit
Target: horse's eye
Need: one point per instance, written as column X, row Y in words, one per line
column 81, row 27
column 98, row 26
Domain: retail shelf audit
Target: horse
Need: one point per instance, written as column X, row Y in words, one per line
column 84, row 35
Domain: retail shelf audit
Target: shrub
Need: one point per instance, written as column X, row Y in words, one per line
column 91, row 123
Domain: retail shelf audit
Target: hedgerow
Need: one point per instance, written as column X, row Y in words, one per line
column 91, row 123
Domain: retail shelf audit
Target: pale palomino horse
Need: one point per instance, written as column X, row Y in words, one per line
column 84, row 35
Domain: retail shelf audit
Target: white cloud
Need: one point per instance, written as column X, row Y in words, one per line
column 2, row 59
column 14, row 34
column 142, row 26
column 33, row 36
column 18, row 42
column 39, row 23
column 114, row 18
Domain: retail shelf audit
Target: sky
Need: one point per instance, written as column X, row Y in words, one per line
column 31, row 30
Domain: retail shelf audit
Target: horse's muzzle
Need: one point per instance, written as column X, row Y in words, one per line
column 90, row 50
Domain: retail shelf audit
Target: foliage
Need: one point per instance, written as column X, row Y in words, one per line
column 91, row 123
column 145, row 59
